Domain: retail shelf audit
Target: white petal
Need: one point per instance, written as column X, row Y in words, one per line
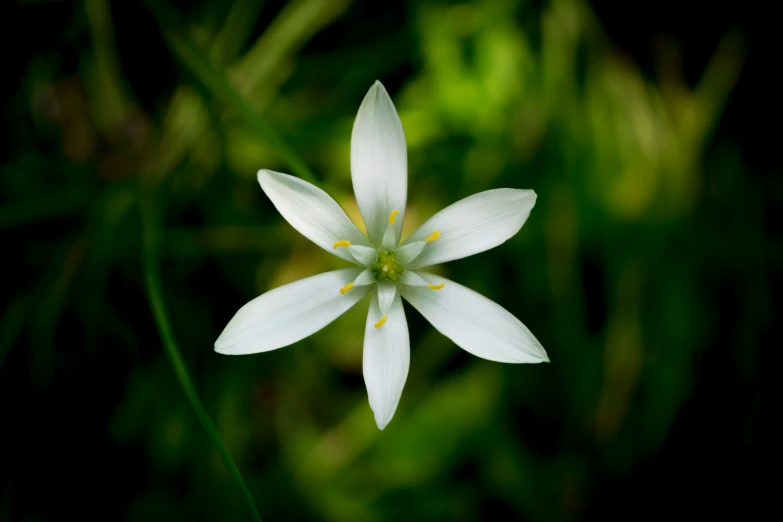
column 472, row 225
column 411, row 278
column 389, row 240
column 365, row 278
column 406, row 254
column 386, row 292
column 290, row 313
column 379, row 163
column 386, row 359
column 312, row 212
column 474, row 323
column 363, row 255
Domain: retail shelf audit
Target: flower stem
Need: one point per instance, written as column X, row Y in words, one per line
column 155, row 296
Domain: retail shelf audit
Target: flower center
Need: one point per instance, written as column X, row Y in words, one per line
column 387, row 267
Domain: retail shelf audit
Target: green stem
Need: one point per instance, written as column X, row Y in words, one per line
column 173, row 30
column 155, row 296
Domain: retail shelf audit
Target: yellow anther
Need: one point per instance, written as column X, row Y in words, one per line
column 347, row 287
column 392, row 216
column 342, row 242
column 382, row 321
column 436, row 287
column 432, row 237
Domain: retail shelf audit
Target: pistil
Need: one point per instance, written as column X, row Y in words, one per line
column 387, row 267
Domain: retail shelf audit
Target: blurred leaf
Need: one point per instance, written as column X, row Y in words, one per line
column 193, row 58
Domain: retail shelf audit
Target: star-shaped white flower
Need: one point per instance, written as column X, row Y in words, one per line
column 387, row 268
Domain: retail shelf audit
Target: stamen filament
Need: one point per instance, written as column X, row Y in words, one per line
column 346, row 288
column 432, row 237
column 436, row 287
column 392, row 216
column 342, row 242
column 382, row 321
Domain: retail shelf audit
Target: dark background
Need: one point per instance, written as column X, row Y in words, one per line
column 648, row 268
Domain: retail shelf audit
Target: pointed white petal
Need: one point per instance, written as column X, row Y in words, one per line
column 363, row 255
column 379, row 163
column 389, row 240
column 290, row 313
column 474, row 323
column 312, row 212
column 386, row 359
column 386, row 292
column 472, row 225
column 411, row 278
column 365, row 278
column 407, row 253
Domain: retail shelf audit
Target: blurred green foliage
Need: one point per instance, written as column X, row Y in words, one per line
column 614, row 271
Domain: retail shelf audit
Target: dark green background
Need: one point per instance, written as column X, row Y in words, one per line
column 647, row 268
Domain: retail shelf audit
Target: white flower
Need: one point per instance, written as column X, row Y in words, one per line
column 386, row 267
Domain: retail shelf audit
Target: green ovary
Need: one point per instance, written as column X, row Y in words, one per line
column 387, row 267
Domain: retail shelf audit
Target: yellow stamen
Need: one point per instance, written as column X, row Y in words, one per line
column 432, row 237
column 436, row 287
column 347, row 287
column 342, row 242
column 392, row 215
column 382, row 321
